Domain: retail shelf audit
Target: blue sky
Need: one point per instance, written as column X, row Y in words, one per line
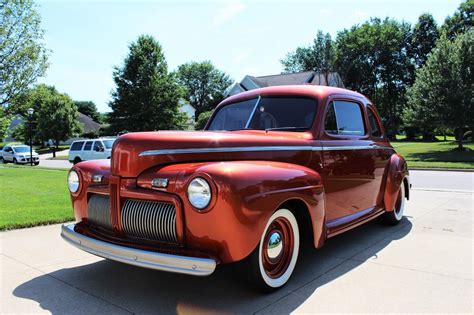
column 88, row 38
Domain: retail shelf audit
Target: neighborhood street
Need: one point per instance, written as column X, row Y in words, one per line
column 422, row 265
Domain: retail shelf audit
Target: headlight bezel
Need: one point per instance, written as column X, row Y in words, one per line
column 78, row 176
column 209, row 185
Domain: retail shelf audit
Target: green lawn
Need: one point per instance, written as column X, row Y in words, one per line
column 435, row 154
column 33, row 196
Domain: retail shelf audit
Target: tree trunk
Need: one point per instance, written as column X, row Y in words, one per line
column 460, row 140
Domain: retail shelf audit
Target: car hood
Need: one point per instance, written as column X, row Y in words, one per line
column 135, row 152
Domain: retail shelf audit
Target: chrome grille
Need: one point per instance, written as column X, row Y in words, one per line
column 149, row 220
column 98, row 210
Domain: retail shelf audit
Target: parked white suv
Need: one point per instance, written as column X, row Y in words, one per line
column 84, row 150
column 18, row 154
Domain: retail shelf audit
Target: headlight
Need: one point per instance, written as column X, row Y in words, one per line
column 73, row 181
column 199, row 193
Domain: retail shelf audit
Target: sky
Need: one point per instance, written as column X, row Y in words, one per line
column 87, row 39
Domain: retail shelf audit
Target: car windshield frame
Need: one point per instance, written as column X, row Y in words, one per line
column 252, row 114
column 15, row 149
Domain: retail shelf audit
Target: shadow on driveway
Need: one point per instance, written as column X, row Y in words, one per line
column 140, row 290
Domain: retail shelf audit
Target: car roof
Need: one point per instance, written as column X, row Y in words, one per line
column 318, row 91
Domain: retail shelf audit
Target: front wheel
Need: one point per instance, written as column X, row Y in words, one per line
column 15, row 161
column 273, row 261
column 394, row 217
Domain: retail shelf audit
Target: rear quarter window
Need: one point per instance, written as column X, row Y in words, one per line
column 76, row 146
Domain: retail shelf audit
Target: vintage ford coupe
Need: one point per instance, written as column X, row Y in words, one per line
column 273, row 167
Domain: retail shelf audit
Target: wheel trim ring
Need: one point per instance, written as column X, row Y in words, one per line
column 275, row 268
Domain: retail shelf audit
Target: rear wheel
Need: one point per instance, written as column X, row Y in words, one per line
column 273, row 261
column 2, row 161
column 394, row 217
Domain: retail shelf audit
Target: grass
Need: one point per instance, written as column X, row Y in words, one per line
column 436, row 154
column 59, row 157
column 33, row 196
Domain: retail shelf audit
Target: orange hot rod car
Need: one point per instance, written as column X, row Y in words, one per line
column 273, row 167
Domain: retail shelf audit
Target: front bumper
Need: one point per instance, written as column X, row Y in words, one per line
column 166, row 262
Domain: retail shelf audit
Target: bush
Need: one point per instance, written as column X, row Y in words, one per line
column 202, row 120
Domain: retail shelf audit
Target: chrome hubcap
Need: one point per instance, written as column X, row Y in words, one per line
column 274, row 246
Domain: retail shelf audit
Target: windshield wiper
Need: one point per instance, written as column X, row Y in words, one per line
column 287, row 128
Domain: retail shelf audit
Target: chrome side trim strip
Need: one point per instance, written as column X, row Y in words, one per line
column 173, row 263
column 226, row 149
column 258, row 149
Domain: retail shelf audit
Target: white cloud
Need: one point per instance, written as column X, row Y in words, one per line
column 227, row 13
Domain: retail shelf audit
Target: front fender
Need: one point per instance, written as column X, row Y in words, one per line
column 245, row 194
column 397, row 171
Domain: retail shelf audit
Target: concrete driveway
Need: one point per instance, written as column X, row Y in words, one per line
column 422, row 265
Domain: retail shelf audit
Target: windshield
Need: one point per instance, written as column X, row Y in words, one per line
column 21, row 149
column 266, row 113
column 108, row 143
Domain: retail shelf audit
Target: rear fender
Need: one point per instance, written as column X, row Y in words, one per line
column 397, row 172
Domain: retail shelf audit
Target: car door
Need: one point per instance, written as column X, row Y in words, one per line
column 87, row 151
column 8, row 154
column 348, row 162
column 98, row 150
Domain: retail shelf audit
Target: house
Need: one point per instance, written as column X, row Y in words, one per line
column 189, row 110
column 307, row 77
column 88, row 125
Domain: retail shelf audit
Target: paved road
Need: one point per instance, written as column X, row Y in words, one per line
column 422, row 265
column 56, row 163
column 461, row 181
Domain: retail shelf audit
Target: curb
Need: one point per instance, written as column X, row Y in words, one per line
column 441, row 169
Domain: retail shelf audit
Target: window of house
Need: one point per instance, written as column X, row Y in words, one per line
column 344, row 118
column 375, row 129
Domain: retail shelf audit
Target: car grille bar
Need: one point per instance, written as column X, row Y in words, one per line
column 98, row 211
column 152, row 220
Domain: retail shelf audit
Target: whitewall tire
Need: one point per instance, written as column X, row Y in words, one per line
column 273, row 261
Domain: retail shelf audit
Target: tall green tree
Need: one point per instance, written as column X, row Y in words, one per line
column 319, row 57
column 23, row 56
column 424, row 36
column 54, row 117
column 373, row 58
column 146, row 95
column 204, row 85
column 4, row 124
column 461, row 21
column 444, row 86
column 89, row 108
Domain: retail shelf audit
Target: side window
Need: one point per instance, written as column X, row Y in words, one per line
column 88, row 146
column 77, row 146
column 98, row 145
column 375, row 129
column 344, row 118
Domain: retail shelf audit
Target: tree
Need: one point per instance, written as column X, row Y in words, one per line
column 204, row 85
column 146, row 95
column 372, row 58
column 89, row 108
column 319, row 57
column 461, row 21
column 423, row 40
column 23, row 57
column 202, row 120
column 4, row 124
column 444, row 86
column 54, row 117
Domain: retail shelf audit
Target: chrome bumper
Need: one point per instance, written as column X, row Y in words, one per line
column 137, row 257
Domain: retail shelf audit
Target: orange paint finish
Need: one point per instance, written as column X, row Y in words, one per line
column 341, row 180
